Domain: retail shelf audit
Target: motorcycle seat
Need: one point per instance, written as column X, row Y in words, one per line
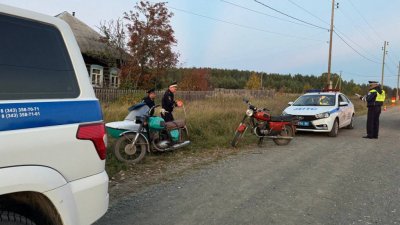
column 287, row 118
column 175, row 124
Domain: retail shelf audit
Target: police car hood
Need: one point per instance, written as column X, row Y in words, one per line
column 309, row 110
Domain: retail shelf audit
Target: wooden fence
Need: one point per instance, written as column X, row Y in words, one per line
column 110, row 95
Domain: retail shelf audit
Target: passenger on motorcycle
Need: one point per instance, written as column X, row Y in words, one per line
column 149, row 100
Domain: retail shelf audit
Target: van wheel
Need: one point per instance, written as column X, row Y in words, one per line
column 11, row 218
column 335, row 129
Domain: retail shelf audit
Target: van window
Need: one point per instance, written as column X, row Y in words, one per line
column 34, row 62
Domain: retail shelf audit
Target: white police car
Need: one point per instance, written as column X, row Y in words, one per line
column 322, row 111
column 52, row 136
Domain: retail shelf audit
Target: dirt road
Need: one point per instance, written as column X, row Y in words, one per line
column 313, row 180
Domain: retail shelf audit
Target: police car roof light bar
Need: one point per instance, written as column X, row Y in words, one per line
column 321, row 90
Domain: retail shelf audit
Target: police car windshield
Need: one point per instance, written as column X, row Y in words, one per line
column 139, row 110
column 315, row 100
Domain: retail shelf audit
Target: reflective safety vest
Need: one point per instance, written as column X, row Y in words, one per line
column 379, row 97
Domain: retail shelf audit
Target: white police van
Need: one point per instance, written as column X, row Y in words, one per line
column 52, row 136
column 322, row 111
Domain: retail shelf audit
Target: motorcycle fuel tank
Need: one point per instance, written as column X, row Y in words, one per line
column 262, row 116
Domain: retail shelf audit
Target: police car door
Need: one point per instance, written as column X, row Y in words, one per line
column 343, row 111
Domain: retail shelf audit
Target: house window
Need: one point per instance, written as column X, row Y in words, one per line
column 114, row 79
column 96, row 75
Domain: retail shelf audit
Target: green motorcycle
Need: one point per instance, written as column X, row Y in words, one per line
column 139, row 133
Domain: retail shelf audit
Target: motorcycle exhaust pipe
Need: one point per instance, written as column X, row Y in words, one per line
column 278, row 137
column 180, row 145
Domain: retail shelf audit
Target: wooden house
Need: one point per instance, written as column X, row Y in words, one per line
column 102, row 62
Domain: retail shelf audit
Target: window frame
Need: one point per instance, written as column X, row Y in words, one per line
column 101, row 75
column 114, row 73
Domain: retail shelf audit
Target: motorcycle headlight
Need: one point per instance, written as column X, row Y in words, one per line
column 322, row 115
column 249, row 112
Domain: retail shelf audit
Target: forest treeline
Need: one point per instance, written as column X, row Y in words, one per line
column 211, row 78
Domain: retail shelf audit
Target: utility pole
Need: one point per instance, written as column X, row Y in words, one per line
column 330, row 45
column 398, row 78
column 383, row 62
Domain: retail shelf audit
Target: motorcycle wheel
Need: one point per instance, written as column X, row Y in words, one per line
column 126, row 152
column 287, row 132
column 236, row 138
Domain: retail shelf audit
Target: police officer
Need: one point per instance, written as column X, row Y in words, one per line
column 374, row 99
column 323, row 100
column 149, row 100
column 168, row 103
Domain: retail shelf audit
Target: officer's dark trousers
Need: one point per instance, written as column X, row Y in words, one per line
column 373, row 121
column 168, row 117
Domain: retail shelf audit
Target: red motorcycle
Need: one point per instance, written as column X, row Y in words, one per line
column 279, row 128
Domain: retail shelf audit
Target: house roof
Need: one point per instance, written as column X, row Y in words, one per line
column 87, row 38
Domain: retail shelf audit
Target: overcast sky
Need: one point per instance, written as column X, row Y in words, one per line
column 246, row 35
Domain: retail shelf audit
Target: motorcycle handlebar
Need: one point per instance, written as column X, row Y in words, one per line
column 252, row 107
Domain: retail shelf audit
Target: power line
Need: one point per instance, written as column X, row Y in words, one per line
column 376, row 33
column 244, row 26
column 355, row 49
column 355, row 43
column 290, row 16
column 393, row 61
column 391, row 72
column 265, row 14
column 364, row 34
column 299, row 6
column 360, row 75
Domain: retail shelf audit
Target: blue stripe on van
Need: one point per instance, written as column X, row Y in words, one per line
column 14, row 116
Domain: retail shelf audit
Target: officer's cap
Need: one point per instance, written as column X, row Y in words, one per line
column 373, row 82
column 173, row 84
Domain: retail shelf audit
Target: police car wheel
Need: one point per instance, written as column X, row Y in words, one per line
column 335, row 129
column 351, row 125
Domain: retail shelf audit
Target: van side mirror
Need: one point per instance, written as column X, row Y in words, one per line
column 343, row 104
column 290, row 103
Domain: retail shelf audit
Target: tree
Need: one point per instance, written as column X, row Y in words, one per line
column 356, row 90
column 307, row 86
column 195, row 80
column 114, row 36
column 254, row 82
column 151, row 39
